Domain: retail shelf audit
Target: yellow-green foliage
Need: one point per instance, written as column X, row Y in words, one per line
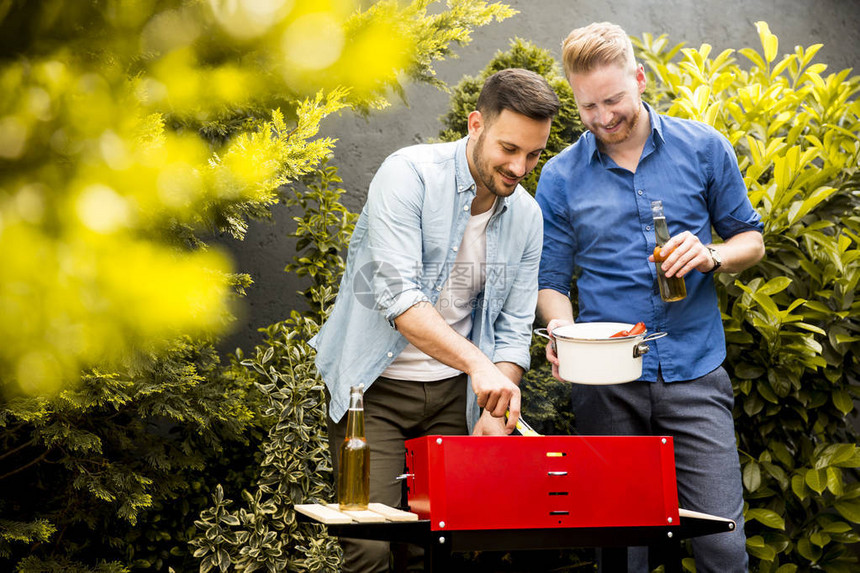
column 129, row 128
column 793, row 321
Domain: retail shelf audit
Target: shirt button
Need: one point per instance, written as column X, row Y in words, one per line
column 390, row 354
column 647, row 227
column 455, row 249
column 465, row 207
column 439, row 288
column 640, row 191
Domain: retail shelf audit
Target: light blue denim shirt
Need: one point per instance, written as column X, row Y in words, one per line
column 401, row 253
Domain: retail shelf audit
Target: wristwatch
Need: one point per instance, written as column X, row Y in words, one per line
column 716, row 258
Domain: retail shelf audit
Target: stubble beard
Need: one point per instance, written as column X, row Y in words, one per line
column 625, row 134
column 486, row 173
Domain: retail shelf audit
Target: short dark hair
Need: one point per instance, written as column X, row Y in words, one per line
column 518, row 90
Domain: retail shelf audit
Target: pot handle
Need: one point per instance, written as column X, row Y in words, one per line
column 641, row 348
column 654, row 336
column 544, row 334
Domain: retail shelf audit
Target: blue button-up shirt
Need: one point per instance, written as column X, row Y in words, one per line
column 401, row 252
column 599, row 229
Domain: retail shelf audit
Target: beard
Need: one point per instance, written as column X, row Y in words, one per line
column 628, row 124
column 487, row 173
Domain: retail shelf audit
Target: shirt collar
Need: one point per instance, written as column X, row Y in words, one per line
column 656, row 133
column 465, row 181
column 656, row 124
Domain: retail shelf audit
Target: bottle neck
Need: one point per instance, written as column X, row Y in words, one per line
column 355, row 423
column 661, row 230
column 355, row 417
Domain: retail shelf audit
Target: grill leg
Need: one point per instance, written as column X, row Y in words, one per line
column 437, row 557
column 613, row 559
column 669, row 554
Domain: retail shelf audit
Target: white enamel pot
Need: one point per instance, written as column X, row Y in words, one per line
column 587, row 354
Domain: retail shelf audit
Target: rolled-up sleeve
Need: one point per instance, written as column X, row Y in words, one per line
column 728, row 200
column 394, row 204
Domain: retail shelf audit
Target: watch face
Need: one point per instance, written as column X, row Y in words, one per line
column 715, row 256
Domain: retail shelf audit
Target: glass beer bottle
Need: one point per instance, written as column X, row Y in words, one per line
column 353, row 487
column 671, row 288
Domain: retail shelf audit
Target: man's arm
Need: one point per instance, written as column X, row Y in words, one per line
column 739, row 252
column 553, row 305
column 687, row 253
column 424, row 327
column 554, row 310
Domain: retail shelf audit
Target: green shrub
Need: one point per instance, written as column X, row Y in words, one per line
column 296, row 465
column 114, row 471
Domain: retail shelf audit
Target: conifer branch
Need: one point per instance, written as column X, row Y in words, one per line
column 13, row 451
column 25, row 466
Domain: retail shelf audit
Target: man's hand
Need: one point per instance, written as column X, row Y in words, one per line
column 555, row 309
column 489, row 425
column 497, row 394
column 551, row 354
column 685, row 253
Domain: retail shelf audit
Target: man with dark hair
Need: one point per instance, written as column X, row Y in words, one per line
column 436, row 305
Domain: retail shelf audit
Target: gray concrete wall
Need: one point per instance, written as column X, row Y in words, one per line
column 363, row 144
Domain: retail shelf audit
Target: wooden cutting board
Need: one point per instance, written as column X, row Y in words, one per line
column 330, row 513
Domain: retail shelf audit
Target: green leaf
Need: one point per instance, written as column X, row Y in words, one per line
column 766, row 302
column 775, row 285
column 849, row 509
column 780, row 67
column 767, row 517
column 811, row 328
column 752, row 476
column 834, row 481
column 837, row 527
column 846, row 339
column 767, row 392
column 820, row 539
column 835, row 454
column 268, row 354
column 754, row 57
column 749, row 371
column 757, row 547
column 807, row 550
column 816, row 480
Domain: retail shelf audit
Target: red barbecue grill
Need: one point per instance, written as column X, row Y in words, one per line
column 507, row 482
column 511, row 493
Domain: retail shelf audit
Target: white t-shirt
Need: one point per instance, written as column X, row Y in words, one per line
column 455, row 304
